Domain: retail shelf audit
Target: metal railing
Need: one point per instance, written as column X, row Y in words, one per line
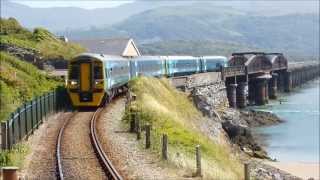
column 232, row 71
column 27, row 118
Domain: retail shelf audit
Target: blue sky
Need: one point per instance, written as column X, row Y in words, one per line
column 72, row 3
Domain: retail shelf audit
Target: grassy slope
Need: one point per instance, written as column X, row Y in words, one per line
column 171, row 112
column 40, row 39
column 20, row 82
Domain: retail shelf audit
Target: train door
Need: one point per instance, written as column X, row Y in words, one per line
column 85, row 77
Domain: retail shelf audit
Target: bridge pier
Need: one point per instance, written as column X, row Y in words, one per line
column 232, row 95
column 260, row 98
column 288, row 81
column 273, row 86
column 241, row 94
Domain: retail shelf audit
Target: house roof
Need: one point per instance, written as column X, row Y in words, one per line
column 115, row 46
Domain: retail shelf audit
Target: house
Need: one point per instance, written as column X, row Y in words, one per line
column 117, row 46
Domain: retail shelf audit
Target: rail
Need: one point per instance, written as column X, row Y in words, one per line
column 109, row 169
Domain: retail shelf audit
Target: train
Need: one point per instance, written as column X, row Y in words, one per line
column 95, row 78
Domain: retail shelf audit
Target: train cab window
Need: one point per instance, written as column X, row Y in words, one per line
column 74, row 73
column 97, row 72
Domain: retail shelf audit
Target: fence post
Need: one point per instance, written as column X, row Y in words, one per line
column 4, row 134
column 45, row 102
column 246, row 171
column 25, row 119
column 138, row 129
column 164, row 146
column 37, row 112
column 41, row 112
column 52, row 102
column 132, row 121
column 19, row 123
column 48, row 101
column 31, row 110
column 198, row 161
column 10, row 134
column 148, row 143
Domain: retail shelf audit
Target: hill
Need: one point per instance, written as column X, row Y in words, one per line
column 70, row 18
column 194, row 48
column 21, row 81
column 40, row 40
column 296, row 34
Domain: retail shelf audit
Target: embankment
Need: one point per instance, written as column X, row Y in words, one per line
column 171, row 112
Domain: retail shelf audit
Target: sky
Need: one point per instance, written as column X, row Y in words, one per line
column 73, row 3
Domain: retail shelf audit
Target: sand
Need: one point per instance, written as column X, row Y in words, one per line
column 299, row 169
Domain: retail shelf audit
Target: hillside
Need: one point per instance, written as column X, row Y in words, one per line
column 194, row 48
column 71, row 18
column 19, row 82
column 40, row 40
column 295, row 34
column 171, row 112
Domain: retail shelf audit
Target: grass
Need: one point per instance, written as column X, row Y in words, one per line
column 14, row 157
column 40, row 40
column 171, row 112
column 19, row 82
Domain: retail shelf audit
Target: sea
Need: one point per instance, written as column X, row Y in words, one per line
column 297, row 139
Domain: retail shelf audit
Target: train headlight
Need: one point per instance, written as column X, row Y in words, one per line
column 98, row 83
column 73, row 82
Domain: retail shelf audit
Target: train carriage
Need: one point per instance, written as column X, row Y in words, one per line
column 182, row 65
column 148, row 66
column 213, row 63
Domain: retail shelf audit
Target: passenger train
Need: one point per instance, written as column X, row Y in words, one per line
column 95, row 78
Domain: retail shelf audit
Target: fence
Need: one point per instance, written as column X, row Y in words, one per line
column 23, row 122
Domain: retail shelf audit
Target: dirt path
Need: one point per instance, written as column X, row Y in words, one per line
column 41, row 162
column 124, row 151
column 78, row 157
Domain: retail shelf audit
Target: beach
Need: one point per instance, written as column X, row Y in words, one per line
column 299, row 169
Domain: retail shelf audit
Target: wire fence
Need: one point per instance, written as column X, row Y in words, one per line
column 27, row 118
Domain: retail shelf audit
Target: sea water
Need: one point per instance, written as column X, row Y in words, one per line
column 297, row 139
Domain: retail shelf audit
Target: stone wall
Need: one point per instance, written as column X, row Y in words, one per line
column 210, row 98
column 34, row 57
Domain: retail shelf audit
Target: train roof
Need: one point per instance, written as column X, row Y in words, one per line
column 147, row 58
column 101, row 57
column 181, row 57
column 215, row 57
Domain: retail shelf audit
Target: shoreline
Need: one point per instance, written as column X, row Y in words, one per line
column 303, row 170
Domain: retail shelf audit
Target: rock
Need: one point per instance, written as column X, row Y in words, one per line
column 259, row 118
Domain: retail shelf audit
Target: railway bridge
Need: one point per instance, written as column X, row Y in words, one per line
column 254, row 77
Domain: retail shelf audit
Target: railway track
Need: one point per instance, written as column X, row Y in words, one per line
column 79, row 152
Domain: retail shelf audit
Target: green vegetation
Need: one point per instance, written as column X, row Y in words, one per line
column 171, row 112
column 19, row 82
column 41, row 40
column 14, row 157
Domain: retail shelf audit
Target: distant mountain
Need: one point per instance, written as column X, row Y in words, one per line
column 292, row 33
column 248, row 24
column 69, row 18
